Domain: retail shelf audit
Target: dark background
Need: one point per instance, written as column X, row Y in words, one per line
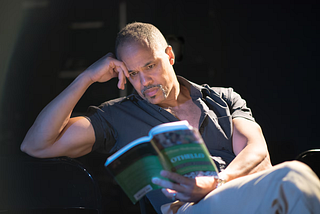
column 267, row 51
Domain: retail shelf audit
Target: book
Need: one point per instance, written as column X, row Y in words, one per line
column 174, row 146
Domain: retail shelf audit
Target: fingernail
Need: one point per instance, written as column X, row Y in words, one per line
column 155, row 180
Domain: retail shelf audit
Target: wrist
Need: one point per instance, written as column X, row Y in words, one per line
column 85, row 78
column 220, row 182
column 221, row 179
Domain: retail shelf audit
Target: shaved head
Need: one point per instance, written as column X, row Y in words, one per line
column 143, row 33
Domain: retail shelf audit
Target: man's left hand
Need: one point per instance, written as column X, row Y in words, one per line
column 185, row 189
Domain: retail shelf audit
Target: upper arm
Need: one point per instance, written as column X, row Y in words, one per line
column 246, row 132
column 75, row 140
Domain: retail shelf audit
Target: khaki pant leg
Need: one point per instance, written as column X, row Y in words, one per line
column 290, row 187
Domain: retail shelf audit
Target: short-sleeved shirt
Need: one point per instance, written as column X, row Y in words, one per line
column 118, row 122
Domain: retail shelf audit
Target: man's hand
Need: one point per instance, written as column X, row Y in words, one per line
column 186, row 189
column 107, row 68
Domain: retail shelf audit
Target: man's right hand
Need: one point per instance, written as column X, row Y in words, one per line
column 107, row 68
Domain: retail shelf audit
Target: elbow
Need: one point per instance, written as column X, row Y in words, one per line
column 261, row 143
column 27, row 144
column 265, row 163
column 262, row 151
column 28, row 149
column 23, row 146
column 35, row 146
column 264, row 159
column 264, row 155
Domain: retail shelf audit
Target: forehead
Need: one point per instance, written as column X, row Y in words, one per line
column 132, row 46
column 136, row 54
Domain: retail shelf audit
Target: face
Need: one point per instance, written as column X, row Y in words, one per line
column 151, row 71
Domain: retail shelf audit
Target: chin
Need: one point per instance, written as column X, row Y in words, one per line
column 154, row 100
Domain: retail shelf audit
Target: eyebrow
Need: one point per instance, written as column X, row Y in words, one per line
column 148, row 63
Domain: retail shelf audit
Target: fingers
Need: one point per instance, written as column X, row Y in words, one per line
column 171, row 194
column 118, row 72
column 176, row 178
column 122, row 80
column 174, row 195
column 168, row 189
column 179, row 184
column 121, row 67
column 168, row 184
column 124, row 70
column 121, row 70
column 106, row 68
column 183, row 188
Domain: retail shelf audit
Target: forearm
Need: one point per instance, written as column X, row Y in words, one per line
column 250, row 149
column 250, row 160
column 55, row 116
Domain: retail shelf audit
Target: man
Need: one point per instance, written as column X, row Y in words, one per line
column 226, row 124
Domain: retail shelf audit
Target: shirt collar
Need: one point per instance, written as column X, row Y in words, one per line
column 194, row 89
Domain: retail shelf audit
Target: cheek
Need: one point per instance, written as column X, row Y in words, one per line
column 135, row 83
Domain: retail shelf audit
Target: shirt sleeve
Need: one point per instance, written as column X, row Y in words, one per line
column 104, row 140
column 238, row 106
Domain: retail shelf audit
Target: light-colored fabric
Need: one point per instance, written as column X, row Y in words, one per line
column 290, row 187
column 172, row 208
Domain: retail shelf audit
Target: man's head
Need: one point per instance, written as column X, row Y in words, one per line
column 149, row 60
column 141, row 33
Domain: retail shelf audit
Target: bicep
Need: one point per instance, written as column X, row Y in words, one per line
column 75, row 140
column 246, row 132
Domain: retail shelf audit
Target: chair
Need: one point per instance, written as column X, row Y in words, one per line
column 145, row 206
column 312, row 159
column 54, row 185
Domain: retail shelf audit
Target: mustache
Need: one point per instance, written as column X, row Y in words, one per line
column 150, row 86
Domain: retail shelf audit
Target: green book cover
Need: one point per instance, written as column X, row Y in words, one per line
column 174, row 146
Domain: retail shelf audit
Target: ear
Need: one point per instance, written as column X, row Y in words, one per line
column 170, row 53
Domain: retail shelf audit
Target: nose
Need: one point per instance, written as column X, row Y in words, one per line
column 145, row 79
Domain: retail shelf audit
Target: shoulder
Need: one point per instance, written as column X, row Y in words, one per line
column 226, row 93
column 221, row 90
column 115, row 102
column 237, row 105
column 205, row 89
column 111, row 108
column 118, row 102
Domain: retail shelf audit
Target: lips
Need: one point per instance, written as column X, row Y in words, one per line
column 151, row 92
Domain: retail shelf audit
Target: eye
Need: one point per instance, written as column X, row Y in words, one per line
column 151, row 66
column 133, row 73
